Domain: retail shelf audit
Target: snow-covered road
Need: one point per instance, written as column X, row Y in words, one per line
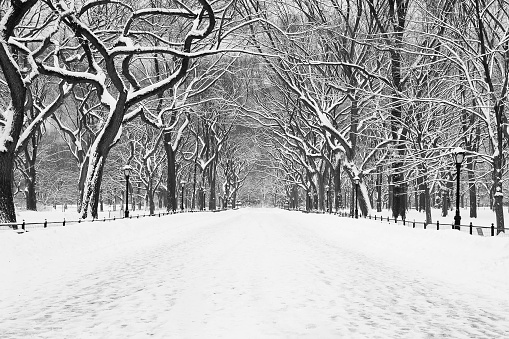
column 252, row 273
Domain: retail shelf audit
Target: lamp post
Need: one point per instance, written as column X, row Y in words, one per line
column 356, row 180
column 127, row 173
column 182, row 183
column 459, row 155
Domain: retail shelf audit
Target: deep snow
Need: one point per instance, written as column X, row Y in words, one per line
column 252, row 273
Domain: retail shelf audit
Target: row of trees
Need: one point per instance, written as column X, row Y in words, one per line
column 331, row 91
column 135, row 76
column 360, row 89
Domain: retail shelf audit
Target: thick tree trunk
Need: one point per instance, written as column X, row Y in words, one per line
column 171, row 179
column 7, row 211
column 15, row 112
column 90, row 201
column 363, row 194
column 98, row 153
column 363, row 199
column 151, row 203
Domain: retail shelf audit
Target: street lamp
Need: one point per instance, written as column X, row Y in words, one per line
column 127, row 173
column 459, row 155
column 182, row 183
column 356, row 180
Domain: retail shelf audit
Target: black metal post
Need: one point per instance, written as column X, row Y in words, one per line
column 356, row 200
column 126, row 212
column 457, row 217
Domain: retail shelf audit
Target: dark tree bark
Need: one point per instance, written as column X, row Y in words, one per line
column 399, row 193
column 7, row 211
column 212, row 182
column 171, row 180
column 337, row 186
column 18, row 94
column 30, row 180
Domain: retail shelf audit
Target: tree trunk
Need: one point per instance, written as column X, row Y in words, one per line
column 15, row 112
column 399, row 192
column 427, row 202
column 151, row 203
column 92, row 186
column 171, row 179
column 498, row 196
column 138, row 196
column 7, row 211
column 472, row 189
column 445, row 200
column 321, row 191
column 391, row 191
column 352, row 201
column 295, row 196
column 193, row 201
column 379, row 179
column 98, row 153
column 31, row 197
column 81, row 182
column 212, row 183
column 337, row 186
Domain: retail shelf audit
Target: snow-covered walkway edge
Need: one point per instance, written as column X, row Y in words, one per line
column 251, row 273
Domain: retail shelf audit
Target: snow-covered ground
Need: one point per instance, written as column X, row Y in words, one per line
column 252, row 273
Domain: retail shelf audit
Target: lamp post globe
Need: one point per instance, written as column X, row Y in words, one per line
column 356, row 180
column 459, row 156
column 127, row 172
